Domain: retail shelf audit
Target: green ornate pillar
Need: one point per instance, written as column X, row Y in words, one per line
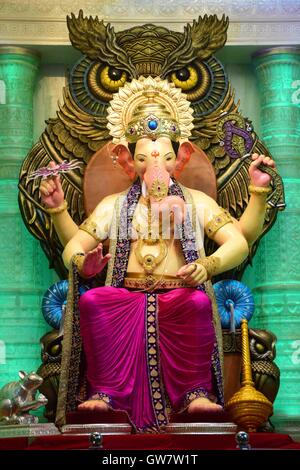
column 24, row 272
column 275, row 276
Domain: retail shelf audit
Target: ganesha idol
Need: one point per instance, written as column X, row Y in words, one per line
column 151, row 335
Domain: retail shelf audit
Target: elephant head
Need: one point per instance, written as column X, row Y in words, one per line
column 155, row 162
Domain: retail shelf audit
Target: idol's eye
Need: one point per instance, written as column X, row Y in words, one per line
column 185, row 78
column 140, row 159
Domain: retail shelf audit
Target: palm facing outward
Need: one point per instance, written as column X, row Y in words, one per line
column 51, row 191
column 258, row 177
column 94, row 261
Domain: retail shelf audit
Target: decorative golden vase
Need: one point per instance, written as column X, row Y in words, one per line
column 248, row 408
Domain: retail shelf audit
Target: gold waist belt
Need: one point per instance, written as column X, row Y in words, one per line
column 152, row 281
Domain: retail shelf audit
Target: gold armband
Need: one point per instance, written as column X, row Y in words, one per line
column 217, row 222
column 260, row 190
column 211, row 264
column 57, row 210
column 90, row 226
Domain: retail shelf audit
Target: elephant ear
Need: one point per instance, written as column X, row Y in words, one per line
column 195, row 170
column 124, row 158
column 103, row 176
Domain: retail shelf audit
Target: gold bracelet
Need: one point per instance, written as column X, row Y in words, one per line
column 211, row 264
column 78, row 260
column 259, row 190
column 57, row 210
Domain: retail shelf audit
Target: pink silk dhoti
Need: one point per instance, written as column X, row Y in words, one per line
column 144, row 351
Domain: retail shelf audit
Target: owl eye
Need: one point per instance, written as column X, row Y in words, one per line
column 93, row 83
column 111, row 78
column 55, row 349
column 104, row 80
column 194, row 79
column 260, row 348
column 185, row 78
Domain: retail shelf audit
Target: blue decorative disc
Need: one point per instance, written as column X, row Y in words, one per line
column 54, row 299
column 231, row 293
column 152, row 125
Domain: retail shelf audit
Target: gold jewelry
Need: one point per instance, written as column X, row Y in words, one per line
column 157, row 282
column 151, row 230
column 149, row 262
column 57, row 210
column 149, row 107
column 78, row 260
column 158, row 190
column 156, row 123
column 90, row 227
column 211, row 264
column 217, row 222
column 259, row 190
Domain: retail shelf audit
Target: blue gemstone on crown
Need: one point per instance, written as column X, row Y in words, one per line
column 152, row 125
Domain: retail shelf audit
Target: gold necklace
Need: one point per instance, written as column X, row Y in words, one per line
column 149, row 261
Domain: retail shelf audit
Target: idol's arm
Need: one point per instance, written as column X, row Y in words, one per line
column 233, row 247
column 52, row 197
column 64, row 225
column 252, row 221
column 81, row 243
column 85, row 248
column 232, row 251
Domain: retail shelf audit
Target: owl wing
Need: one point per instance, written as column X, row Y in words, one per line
column 229, row 141
column 220, row 129
column 71, row 136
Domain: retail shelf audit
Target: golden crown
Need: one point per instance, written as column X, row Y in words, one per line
column 149, row 107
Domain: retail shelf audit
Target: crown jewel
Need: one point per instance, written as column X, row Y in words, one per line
column 149, row 107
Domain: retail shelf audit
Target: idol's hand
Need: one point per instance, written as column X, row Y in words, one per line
column 51, row 191
column 94, row 262
column 193, row 274
column 258, row 177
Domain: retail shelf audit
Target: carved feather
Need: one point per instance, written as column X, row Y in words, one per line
column 208, row 34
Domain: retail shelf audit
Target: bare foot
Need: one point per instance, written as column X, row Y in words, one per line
column 202, row 404
column 94, row 405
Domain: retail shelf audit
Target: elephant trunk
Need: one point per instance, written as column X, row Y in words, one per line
column 157, row 181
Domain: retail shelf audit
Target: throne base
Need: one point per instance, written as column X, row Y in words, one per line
column 173, row 428
column 117, row 422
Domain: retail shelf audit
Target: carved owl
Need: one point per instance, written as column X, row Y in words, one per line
column 109, row 59
column 265, row 372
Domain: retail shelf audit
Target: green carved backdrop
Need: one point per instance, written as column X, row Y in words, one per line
column 24, row 273
column 275, row 276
